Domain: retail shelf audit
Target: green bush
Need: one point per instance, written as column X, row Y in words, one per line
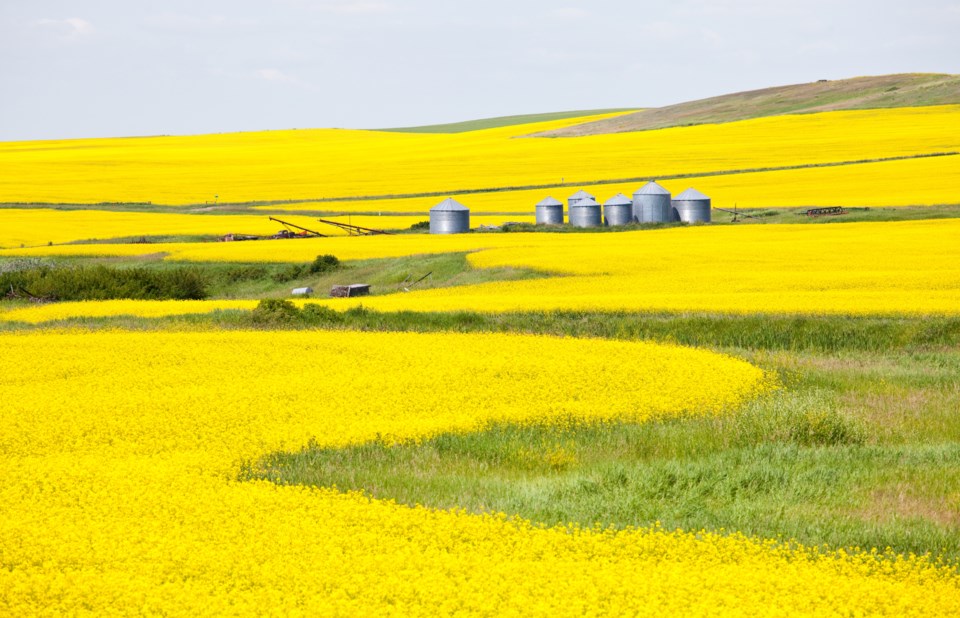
column 291, row 272
column 273, row 311
column 420, row 225
column 358, row 312
column 244, row 273
column 323, row 264
column 103, row 283
column 320, row 314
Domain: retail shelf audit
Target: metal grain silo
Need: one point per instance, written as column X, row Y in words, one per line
column 585, row 213
column 550, row 212
column 618, row 210
column 651, row 204
column 578, row 197
column 449, row 217
column 692, row 206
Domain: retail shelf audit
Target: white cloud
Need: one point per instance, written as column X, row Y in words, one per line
column 70, row 28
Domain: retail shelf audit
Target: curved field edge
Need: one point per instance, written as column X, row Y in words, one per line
column 142, row 483
column 139, row 510
column 797, row 467
column 137, row 497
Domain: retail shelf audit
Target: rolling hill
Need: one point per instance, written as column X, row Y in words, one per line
column 879, row 92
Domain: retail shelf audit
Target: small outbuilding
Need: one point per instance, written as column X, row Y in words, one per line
column 349, row 291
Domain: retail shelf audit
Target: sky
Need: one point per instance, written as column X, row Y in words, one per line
column 104, row 68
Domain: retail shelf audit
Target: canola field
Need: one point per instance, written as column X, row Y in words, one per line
column 120, row 493
column 122, row 453
column 30, row 227
column 904, row 268
column 908, row 182
column 313, row 164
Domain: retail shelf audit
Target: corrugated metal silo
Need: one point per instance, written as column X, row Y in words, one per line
column 578, row 197
column 618, row 210
column 651, row 204
column 449, row 217
column 692, row 206
column 585, row 213
column 550, row 212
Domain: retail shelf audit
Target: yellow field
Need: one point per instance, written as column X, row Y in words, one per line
column 119, row 493
column 908, row 182
column 121, row 451
column 855, row 268
column 310, row 164
column 36, row 226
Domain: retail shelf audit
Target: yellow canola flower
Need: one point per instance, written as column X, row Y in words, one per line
column 315, row 164
column 118, row 452
column 907, row 182
column 856, row 268
column 36, row 226
column 296, row 250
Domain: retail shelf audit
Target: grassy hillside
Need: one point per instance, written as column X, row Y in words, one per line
column 503, row 121
column 877, row 92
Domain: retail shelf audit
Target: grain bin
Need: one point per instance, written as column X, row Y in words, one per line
column 550, row 212
column 578, row 197
column 618, row 210
column 449, row 217
column 692, row 206
column 585, row 213
column 651, row 204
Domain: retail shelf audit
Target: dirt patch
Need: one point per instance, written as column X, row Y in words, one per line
column 902, row 502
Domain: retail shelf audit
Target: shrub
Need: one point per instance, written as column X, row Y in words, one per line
column 103, row 283
column 357, row 312
column 270, row 311
column 323, row 264
column 320, row 314
column 291, row 272
column 244, row 273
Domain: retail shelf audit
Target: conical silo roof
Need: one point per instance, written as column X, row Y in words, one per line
column 619, row 200
column 587, row 201
column 651, row 188
column 581, row 194
column 449, row 204
column 691, row 194
column 549, row 201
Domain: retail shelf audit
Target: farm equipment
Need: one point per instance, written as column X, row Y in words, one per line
column 406, row 284
column 736, row 214
column 820, row 212
column 292, row 230
column 353, row 230
column 289, row 233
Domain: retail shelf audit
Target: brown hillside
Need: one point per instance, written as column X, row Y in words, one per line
column 885, row 91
